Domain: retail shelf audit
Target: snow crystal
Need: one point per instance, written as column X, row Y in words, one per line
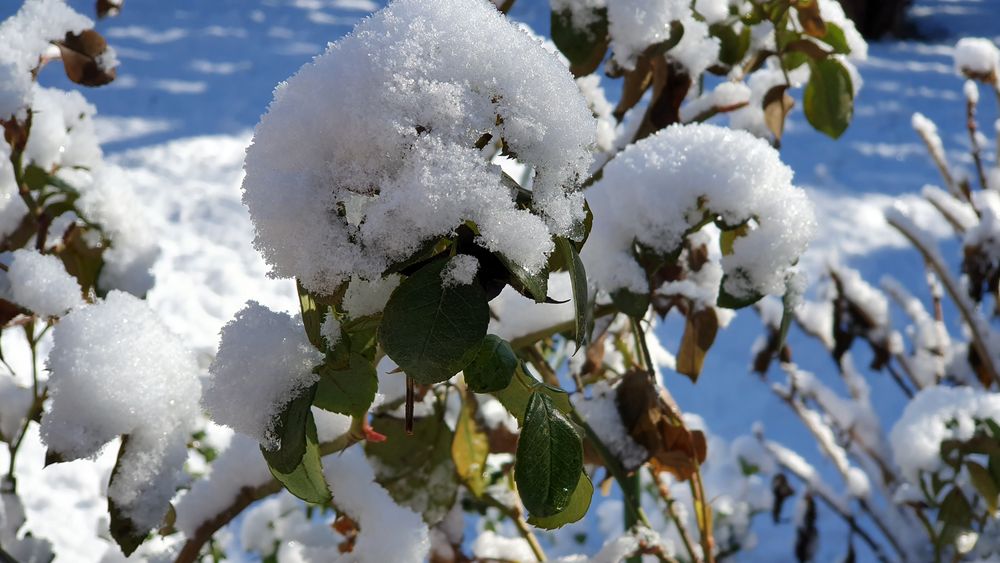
column 368, row 152
column 365, row 297
column 40, row 283
column 601, row 412
column 330, row 329
column 977, row 57
column 25, row 37
column 934, row 415
column 460, row 270
column 634, row 25
column 116, row 370
column 264, row 361
column 659, row 188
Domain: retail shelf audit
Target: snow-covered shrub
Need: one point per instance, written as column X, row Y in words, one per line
column 928, row 487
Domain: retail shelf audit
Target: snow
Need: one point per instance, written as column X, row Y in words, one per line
column 601, row 412
column 460, row 270
column 12, row 207
column 490, row 545
column 330, row 329
column 977, row 57
column 657, row 189
column 971, row 92
column 403, row 101
column 934, row 415
column 725, row 96
column 364, row 298
column 634, row 25
column 25, row 37
column 115, row 370
column 264, row 361
column 39, row 282
column 581, row 12
column 62, row 130
column 713, row 11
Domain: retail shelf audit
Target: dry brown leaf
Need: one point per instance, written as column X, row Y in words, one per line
column 81, row 58
column 810, row 18
column 777, row 105
column 699, row 334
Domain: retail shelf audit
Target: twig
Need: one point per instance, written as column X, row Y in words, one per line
column 522, row 527
column 529, row 339
column 681, row 528
column 970, row 124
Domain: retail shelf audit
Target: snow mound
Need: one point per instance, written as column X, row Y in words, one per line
column 40, row 283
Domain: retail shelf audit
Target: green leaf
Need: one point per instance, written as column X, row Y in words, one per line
column 470, row 447
column 581, row 294
column 417, row 469
column 432, row 331
column 984, row 484
column 347, row 391
column 123, row 529
column 732, row 46
column 532, row 286
column 729, row 301
column 494, row 366
column 549, row 458
column 632, row 304
column 828, row 100
column 955, row 509
column 836, row 39
column 584, row 47
column 579, row 503
column 515, row 397
column 296, row 463
column 312, row 316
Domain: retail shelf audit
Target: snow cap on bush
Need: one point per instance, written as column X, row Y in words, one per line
column 658, row 189
column 264, row 361
column 116, row 370
column 40, row 283
column 369, row 151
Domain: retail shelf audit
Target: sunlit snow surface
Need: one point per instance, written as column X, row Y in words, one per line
column 195, row 76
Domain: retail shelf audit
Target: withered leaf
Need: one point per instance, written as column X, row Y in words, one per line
column 810, row 18
column 109, row 8
column 81, row 55
column 777, row 105
column 699, row 334
column 654, row 421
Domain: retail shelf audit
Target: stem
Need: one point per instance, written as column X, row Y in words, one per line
column 964, row 307
column 970, row 124
column 640, row 337
column 522, row 527
column 681, row 528
column 632, row 488
column 537, row 359
column 527, row 340
column 704, row 515
column 247, row 496
column 36, row 403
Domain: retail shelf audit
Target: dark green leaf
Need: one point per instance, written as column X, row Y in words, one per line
column 581, row 294
column 983, row 481
column 312, row 316
column 632, row 304
column 532, row 286
column 417, row 469
column 549, row 458
column 296, row 462
column 123, row 529
column 584, row 47
column 493, row 367
column 955, row 509
column 732, row 46
column 432, row 331
column 828, row 100
column 728, row 301
column 347, row 391
column 579, row 503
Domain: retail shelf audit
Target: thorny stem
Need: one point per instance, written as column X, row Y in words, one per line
column 964, row 307
column 681, row 528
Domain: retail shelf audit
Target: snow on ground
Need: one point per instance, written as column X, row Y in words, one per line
column 195, row 77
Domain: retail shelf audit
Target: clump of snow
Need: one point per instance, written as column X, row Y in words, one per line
column 116, row 370
column 832, row 12
column 40, row 283
column 713, row 11
column 112, row 203
column 590, row 87
column 659, row 188
column 26, row 36
column 634, row 25
column 330, row 329
column 697, row 50
column 601, row 412
column 354, row 490
column 62, row 130
column 12, row 207
column 971, row 92
column 934, row 415
column 492, row 546
column 726, row 96
column 582, row 13
column 977, row 58
column 369, row 151
column 460, row 270
column 264, row 361
column 364, row 297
